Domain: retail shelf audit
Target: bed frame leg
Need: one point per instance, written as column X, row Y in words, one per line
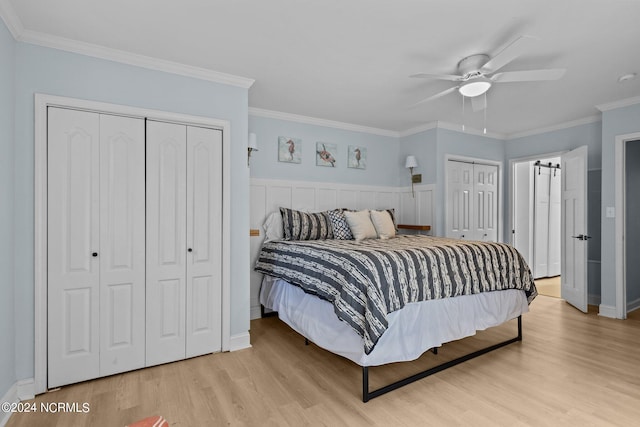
column 365, row 384
column 306, row 341
column 368, row 395
column 434, row 350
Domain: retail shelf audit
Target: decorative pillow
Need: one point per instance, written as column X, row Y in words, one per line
column 361, row 225
column 383, row 223
column 341, row 230
column 299, row 225
column 273, row 229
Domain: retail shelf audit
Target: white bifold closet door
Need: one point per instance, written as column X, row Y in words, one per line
column 96, row 245
column 472, row 201
column 184, row 227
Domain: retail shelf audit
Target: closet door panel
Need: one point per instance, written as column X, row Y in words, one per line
column 460, row 200
column 166, row 242
column 73, row 236
column 486, row 191
column 204, row 231
column 122, row 244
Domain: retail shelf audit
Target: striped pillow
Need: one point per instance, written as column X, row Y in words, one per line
column 305, row 226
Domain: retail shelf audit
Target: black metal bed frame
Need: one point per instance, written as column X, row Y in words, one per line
column 368, row 395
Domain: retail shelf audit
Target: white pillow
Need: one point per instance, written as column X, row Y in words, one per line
column 383, row 223
column 361, row 225
column 273, row 229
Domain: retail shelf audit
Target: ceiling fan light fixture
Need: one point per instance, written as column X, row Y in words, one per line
column 474, row 88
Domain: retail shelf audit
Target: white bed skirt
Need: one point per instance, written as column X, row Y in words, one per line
column 414, row 329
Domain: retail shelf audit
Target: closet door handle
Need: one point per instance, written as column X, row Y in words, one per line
column 189, row 250
column 94, row 254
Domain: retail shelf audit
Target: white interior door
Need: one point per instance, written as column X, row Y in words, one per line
column 574, row 228
column 555, row 203
column 73, row 270
column 485, row 188
column 460, row 200
column 166, row 242
column 122, row 244
column 204, row 237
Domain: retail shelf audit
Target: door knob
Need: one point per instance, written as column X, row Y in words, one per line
column 189, row 250
column 95, row 254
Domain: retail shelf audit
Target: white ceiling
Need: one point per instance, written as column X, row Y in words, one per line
column 349, row 60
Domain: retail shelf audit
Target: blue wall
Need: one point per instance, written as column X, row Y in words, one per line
column 7, row 325
column 382, row 154
column 616, row 122
column 55, row 72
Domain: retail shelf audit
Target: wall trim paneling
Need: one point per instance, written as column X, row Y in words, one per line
column 42, row 102
column 26, row 389
column 268, row 195
column 633, row 305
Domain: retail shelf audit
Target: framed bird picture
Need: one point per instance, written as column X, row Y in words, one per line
column 326, row 154
column 289, row 149
column 357, row 157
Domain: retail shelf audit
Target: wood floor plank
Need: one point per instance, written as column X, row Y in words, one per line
column 571, row 369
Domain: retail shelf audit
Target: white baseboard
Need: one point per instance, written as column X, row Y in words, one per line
column 239, row 342
column 255, row 312
column 607, row 311
column 633, row 305
column 11, row 396
column 26, row 389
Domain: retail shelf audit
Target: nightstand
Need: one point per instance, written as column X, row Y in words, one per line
column 416, row 229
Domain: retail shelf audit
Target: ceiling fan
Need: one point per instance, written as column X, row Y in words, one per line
column 477, row 73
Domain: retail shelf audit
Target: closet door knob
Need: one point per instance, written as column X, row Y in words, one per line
column 189, row 250
column 95, row 254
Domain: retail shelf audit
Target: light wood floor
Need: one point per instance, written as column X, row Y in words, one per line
column 571, row 369
column 549, row 286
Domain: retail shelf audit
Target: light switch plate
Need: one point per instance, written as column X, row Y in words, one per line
column 611, row 212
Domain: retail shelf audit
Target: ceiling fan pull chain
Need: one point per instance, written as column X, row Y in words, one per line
column 462, row 113
column 485, row 113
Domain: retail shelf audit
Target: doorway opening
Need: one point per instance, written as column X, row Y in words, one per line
column 631, row 231
column 536, row 208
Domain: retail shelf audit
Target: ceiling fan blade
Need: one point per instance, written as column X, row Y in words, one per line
column 528, row 75
column 479, row 103
column 508, row 54
column 449, row 77
column 436, row 96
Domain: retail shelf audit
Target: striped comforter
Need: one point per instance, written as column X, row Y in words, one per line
column 367, row 280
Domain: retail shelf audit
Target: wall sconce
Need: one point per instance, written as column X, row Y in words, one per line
column 251, row 146
column 411, row 163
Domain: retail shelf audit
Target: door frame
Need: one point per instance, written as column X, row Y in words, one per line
column 475, row 160
column 619, row 221
column 42, row 101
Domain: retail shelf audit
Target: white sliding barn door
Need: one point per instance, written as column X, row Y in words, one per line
column 166, row 241
column 73, row 272
column 541, row 179
column 122, row 244
column 460, row 200
column 204, row 232
column 96, row 253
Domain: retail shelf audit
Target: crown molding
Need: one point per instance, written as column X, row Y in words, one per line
column 278, row 115
column 422, row 128
column 143, row 61
column 619, row 104
column 11, row 19
column 559, row 126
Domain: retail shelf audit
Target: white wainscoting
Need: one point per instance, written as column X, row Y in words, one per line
column 268, row 195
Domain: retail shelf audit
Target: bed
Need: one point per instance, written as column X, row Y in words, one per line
column 370, row 300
